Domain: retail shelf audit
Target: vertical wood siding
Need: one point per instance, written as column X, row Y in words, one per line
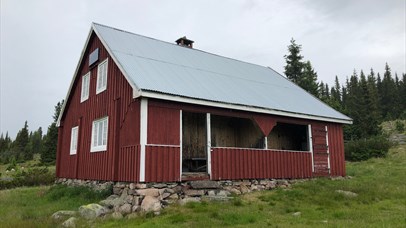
column 336, row 149
column 129, row 165
column 320, row 150
column 236, row 163
column 98, row 165
column 163, row 125
column 162, row 163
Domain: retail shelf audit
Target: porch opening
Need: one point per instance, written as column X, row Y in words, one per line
column 194, row 138
column 235, row 132
column 286, row 136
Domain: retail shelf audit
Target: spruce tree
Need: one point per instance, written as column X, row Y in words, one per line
column 20, row 144
column 388, row 94
column 48, row 154
column 294, row 64
column 308, row 80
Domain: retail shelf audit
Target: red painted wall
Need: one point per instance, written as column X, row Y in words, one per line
column 336, row 149
column 235, row 163
column 163, row 124
column 123, row 125
column 162, row 164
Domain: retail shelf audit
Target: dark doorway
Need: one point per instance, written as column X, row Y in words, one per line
column 194, row 139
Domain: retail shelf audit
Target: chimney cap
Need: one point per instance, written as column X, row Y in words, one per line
column 183, row 41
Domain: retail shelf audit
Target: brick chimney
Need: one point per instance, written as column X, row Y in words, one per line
column 183, row 41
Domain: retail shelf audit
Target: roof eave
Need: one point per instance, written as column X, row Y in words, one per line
column 176, row 98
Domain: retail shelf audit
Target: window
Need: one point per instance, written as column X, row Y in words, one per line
column 101, row 77
column 85, row 87
column 74, row 140
column 99, row 135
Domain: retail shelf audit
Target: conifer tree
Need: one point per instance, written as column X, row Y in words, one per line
column 20, row 144
column 387, row 94
column 294, row 63
column 308, row 80
column 48, row 154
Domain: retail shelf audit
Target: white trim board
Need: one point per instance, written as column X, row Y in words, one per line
column 208, row 139
column 143, row 135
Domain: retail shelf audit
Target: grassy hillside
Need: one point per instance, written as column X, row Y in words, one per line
column 379, row 183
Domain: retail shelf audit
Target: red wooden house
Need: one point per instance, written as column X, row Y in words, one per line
column 143, row 110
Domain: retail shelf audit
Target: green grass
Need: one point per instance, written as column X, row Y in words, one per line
column 379, row 183
column 33, row 206
column 381, row 202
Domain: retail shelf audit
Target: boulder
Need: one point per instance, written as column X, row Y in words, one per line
column 189, row 199
column 223, row 193
column 297, row 214
column 271, row 185
column 92, row 211
column 347, row 193
column 132, row 186
column 150, row 203
column 233, row 190
column 165, row 195
column 244, row 189
column 129, row 199
column 62, row 214
column 148, row 192
column 140, row 186
column 216, row 198
column 132, row 215
column 117, row 215
column 204, row 184
column 135, row 208
column 160, row 185
column 71, row 222
column 136, row 201
column 192, row 192
column 125, row 209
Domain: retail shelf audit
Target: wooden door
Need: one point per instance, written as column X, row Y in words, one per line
column 321, row 158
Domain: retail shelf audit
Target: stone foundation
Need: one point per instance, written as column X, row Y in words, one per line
column 129, row 198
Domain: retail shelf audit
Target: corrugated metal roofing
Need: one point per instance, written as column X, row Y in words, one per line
column 158, row 66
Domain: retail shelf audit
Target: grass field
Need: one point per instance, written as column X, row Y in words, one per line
column 379, row 183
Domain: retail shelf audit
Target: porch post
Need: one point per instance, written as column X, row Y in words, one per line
column 143, row 136
column 309, row 127
column 208, row 146
column 266, row 143
column 180, row 144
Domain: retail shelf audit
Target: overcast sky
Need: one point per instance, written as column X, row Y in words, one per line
column 41, row 40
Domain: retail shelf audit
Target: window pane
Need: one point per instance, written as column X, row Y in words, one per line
column 105, row 132
column 95, row 125
column 100, row 134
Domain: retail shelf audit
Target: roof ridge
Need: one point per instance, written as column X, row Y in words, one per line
column 191, row 49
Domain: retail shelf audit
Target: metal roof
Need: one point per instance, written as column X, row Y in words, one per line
column 160, row 67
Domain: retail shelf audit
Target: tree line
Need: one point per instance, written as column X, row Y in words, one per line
column 368, row 98
column 27, row 143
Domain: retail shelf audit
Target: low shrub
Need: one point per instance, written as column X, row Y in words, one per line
column 364, row 149
column 59, row 191
column 29, row 177
column 400, row 126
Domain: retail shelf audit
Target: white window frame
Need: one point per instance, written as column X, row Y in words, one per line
column 84, row 94
column 99, row 143
column 101, row 84
column 74, row 140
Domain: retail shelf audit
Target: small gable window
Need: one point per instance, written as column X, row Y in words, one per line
column 99, row 135
column 74, row 140
column 102, row 77
column 85, row 87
